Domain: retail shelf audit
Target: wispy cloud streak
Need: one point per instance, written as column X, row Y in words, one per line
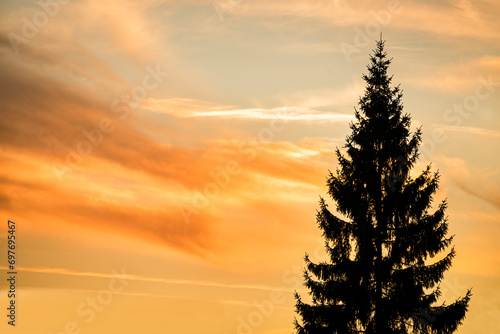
column 140, row 278
column 185, row 108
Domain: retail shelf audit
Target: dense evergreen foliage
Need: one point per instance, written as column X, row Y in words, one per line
column 382, row 276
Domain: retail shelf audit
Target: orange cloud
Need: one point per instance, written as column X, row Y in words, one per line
column 124, row 181
column 463, row 76
column 462, row 18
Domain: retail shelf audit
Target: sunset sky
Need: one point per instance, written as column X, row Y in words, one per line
column 163, row 160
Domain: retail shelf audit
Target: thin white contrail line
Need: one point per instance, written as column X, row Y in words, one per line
column 133, row 277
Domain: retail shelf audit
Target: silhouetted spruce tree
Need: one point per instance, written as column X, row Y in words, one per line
column 381, row 277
